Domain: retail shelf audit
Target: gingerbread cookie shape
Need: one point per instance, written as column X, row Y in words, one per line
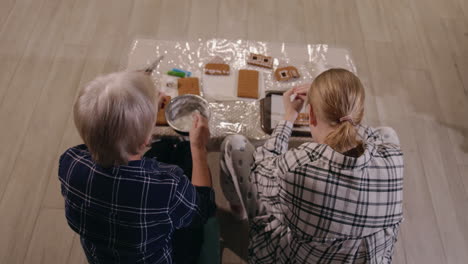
column 161, row 119
column 286, row 73
column 189, row 86
column 217, row 67
column 247, row 85
column 260, row 60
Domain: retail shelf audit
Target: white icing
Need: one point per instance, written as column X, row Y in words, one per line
column 216, row 71
column 184, row 123
column 217, row 60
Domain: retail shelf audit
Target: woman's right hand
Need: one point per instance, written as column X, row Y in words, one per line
column 293, row 107
column 199, row 133
column 199, row 137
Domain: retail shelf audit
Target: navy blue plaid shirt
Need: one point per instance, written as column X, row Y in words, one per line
column 127, row 214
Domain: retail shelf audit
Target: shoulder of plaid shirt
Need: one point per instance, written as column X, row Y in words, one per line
column 324, row 206
column 127, row 214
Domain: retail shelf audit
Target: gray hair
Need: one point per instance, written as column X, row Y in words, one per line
column 115, row 115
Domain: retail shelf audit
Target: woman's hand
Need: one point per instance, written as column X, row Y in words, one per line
column 162, row 100
column 199, row 133
column 199, row 137
column 293, row 107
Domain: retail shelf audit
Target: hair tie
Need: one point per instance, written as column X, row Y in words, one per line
column 347, row 118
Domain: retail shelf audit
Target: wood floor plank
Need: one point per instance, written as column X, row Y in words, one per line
column 144, row 19
column 443, row 9
column 371, row 111
column 173, row 22
column 113, row 17
column 348, row 34
column 83, row 21
column 25, row 190
column 77, row 255
column 422, row 99
column 443, row 199
column 448, row 85
column 290, row 21
column 51, row 240
column 100, row 59
column 262, row 21
column 14, row 26
column 399, row 256
column 233, row 16
column 457, row 31
column 203, row 19
column 319, row 21
column 111, row 32
column 405, row 39
column 21, row 95
column 458, row 135
column 14, row 37
column 53, row 198
column 454, row 179
column 385, row 75
column 373, row 24
column 463, row 170
column 419, row 230
column 5, row 10
column 463, row 4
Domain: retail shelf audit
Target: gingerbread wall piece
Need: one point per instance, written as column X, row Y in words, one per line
column 217, row 67
column 286, row 73
column 260, row 60
column 247, row 85
column 161, row 119
column 189, row 86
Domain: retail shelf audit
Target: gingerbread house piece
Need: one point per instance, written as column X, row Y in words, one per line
column 217, row 67
column 247, row 84
column 189, row 86
column 260, row 60
column 287, row 73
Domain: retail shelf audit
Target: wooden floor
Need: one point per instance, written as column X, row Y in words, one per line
column 411, row 54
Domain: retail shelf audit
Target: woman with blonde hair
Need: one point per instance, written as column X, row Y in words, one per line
column 337, row 199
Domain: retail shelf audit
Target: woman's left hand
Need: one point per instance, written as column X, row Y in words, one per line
column 162, row 102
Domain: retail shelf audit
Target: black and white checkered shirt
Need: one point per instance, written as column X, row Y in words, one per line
column 128, row 214
column 323, row 206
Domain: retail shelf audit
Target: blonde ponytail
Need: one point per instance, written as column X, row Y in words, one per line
column 337, row 97
column 343, row 137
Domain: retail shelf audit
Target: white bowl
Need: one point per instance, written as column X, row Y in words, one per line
column 181, row 108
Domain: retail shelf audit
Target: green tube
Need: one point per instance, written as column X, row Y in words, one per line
column 178, row 74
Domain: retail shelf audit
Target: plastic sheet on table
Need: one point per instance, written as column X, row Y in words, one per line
column 231, row 114
column 310, row 60
column 236, row 117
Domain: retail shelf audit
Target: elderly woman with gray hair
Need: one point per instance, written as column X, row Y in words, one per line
column 128, row 208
